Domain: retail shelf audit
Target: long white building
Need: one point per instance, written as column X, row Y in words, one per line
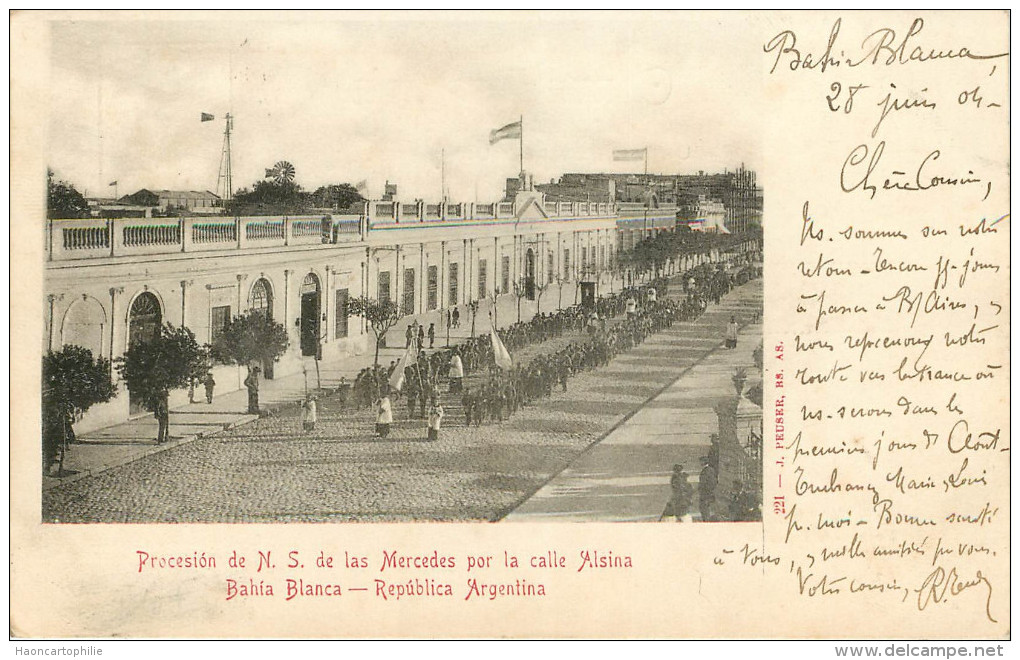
column 113, row 281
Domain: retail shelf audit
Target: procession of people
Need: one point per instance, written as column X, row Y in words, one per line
column 478, row 391
column 615, row 323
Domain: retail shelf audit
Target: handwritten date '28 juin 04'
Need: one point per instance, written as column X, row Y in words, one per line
column 843, row 98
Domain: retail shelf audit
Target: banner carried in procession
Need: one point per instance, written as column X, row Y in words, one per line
column 409, row 358
column 503, row 360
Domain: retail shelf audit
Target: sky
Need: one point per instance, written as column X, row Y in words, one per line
column 377, row 97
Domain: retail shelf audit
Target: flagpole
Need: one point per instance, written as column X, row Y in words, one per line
column 522, row 150
column 646, row 161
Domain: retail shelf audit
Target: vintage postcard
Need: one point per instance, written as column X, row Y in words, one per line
column 510, row 325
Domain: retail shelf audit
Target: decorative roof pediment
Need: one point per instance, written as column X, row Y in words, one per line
column 530, row 210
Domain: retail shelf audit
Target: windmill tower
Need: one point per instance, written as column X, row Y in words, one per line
column 224, row 184
column 282, row 172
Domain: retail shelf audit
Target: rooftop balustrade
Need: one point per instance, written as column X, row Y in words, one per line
column 389, row 212
column 92, row 238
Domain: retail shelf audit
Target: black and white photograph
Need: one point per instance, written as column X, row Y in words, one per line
column 511, row 324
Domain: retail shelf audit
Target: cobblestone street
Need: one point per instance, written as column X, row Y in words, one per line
column 272, row 471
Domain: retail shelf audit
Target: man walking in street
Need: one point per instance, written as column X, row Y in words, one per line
column 209, row 385
column 309, row 413
column 732, row 329
column 384, row 414
column 456, row 372
column 411, row 392
column 682, row 495
column 435, row 419
column 162, row 414
column 707, row 482
column 252, row 383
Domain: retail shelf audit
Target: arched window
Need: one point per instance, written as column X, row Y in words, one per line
column 145, row 318
column 310, row 284
column 84, row 325
column 262, row 297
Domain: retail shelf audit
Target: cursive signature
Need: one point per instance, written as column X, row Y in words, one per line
column 940, row 586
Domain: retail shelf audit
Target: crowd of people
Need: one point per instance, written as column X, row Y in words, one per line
column 615, row 324
column 499, row 394
column 421, row 380
column 741, row 504
column 504, row 392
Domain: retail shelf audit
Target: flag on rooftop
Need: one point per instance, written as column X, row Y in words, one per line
column 406, row 360
column 499, row 351
column 112, row 183
column 508, row 132
column 207, row 117
column 630, row 154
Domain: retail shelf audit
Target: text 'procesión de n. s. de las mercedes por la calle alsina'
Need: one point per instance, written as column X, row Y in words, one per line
column 393, row 575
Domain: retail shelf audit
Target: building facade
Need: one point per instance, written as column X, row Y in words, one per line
column 735, row 191
column 110, row 282
column 198, row 201
column 636, row 221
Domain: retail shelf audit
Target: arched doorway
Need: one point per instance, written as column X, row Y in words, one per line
column 529, row 274
column 310, row 306
column 144, row 320
column 262, row 302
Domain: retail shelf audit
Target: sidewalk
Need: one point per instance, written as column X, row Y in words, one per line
column 129, row 441
column 625, row 477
